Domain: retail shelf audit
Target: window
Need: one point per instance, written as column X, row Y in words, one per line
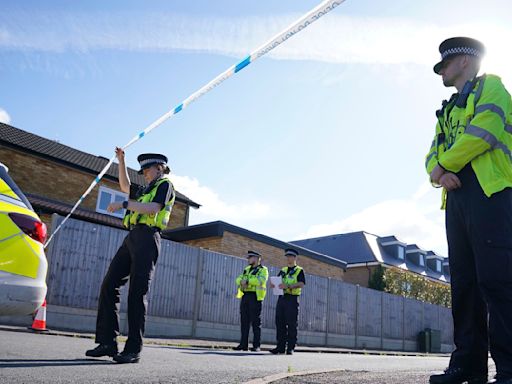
column 422, row 260
column 406, row 287
column 438, row 265
column 401, row 253
column 107, row 196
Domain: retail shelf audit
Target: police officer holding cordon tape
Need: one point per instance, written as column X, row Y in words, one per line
column 135, row 260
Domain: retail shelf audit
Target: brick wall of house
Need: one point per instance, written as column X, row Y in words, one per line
column 237, row 245
column 178, row 216
column 359, row 275
column 62, row 183
column 211, row 243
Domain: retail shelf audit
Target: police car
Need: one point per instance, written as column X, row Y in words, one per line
column 23, row 264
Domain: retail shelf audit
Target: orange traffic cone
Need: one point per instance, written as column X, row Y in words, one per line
column 39, row 323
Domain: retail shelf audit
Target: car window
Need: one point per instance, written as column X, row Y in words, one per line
column 10, row 182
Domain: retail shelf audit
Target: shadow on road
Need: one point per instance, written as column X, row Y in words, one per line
column 208, row 351
column 226, row 353
column 33, row 363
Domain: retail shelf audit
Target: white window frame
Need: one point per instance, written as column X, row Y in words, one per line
column 439, row 265
column 422, row 260
column 113, row 193
column 401, row 253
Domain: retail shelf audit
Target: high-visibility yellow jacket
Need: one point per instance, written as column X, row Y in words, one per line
column 290, row 279
column 257, row 281
column 161, row 218
column 480, row 134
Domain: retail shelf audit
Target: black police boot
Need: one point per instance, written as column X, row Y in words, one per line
column 289, row 352
column 127, row 357
column 240, row 347
column 276, row 351
column 255, row 349
column 457, row 376
column 500, row 379
column 102, row 350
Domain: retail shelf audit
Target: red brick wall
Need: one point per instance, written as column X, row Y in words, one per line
column 237, row 245
column 359, row 275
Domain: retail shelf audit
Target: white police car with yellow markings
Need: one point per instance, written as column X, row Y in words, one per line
column 23, row 264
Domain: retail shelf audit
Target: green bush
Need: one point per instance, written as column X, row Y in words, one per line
column 407, row 284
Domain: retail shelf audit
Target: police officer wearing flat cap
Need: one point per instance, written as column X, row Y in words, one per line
column 146, row 215
column 471, row 159
column 287, row 309
column 252, row 289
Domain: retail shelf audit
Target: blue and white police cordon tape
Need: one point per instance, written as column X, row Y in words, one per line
column 309, row 18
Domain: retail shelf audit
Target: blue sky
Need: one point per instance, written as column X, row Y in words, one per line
column 327, row 134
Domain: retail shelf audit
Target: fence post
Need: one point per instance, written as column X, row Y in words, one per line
column 356, row 331
column 403, row 323
column 197, row 292
column 381, row 320
column 422, row 315
column 328, row 310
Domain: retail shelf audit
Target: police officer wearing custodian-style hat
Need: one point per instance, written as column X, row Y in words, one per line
column 287, row 309
column 146, row 215
column 252, row 289
column 471, row 159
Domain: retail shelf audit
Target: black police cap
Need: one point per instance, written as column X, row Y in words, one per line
column 291, row 252
column 253, row 253
column 146, row 160
column 458, row 46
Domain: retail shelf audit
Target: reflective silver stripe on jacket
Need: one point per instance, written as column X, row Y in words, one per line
column 489, row 138
column 430, row 158
column 493, row 108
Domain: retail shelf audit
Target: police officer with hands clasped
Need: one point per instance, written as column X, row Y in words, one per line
column 471, row 158
column 146, row 215
column 252, row 289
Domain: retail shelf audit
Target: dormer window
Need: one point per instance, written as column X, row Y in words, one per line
column 439, row 265
column 422, row 260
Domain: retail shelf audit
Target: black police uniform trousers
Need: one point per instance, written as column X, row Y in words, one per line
column 479, row 232
column 250, row 314
column 135, row 260
column 287, row 314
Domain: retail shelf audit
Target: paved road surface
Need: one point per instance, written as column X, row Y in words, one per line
column 33, row 358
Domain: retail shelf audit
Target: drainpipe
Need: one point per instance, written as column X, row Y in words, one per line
column 369, row 272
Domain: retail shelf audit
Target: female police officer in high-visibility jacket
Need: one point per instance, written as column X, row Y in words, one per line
column 136, row 258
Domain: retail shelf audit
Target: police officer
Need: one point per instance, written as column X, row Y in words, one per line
column 252, row 288
column 471, row 158
column 136, row 258
column 287, row 310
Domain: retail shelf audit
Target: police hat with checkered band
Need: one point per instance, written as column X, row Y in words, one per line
column 291, row 252
column 458, row 46
column 146, row 160
column 253, row 254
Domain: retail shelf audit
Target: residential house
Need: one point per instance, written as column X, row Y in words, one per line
column 364, row 252
column 229, row 239
column 54, row 176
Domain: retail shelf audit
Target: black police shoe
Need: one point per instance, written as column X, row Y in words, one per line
column 255, row 349
column 102, row 350
column 276, row 351
column 457, row 376
column 499, row 379
column 127, row 357
column 289, row 352
column 240, row 348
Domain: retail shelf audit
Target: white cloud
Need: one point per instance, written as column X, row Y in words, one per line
column 415, row 220
column 4, row 116
column 214, row 208
column 336, row 38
